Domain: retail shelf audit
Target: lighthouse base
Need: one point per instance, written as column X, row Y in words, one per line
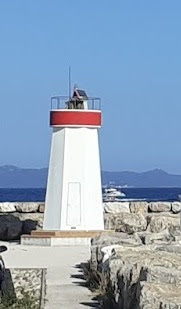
column 61, row 238
column 74, row 192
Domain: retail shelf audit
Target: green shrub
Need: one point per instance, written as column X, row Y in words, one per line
column 27, row 301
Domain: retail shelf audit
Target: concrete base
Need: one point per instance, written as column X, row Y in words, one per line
column 53, row 241
column 59, row 238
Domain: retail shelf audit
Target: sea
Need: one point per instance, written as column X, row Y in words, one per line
column 38, row 195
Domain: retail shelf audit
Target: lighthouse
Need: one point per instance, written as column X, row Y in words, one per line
column 74, row 192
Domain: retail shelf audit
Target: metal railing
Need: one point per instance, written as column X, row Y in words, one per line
column 61, row 102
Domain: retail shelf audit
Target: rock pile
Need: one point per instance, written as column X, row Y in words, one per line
column 128, row 217
column 141, row 260
column 20, row 218
column 141, row 216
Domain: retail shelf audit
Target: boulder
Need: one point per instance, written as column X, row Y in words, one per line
column 116, row 239
column 160, row 206
column 131, row 268
column 41, row 208
column 27, row 207
column 10, row 227
column 31, row 221
column 149, row 238
column 160, row 223
column 130, row 223
column 140, row 270
column 116, row 207
column 176, row 207
column 107, row 251
column 158, row 266
column 7, row 207
column 125, row 222
column 109, row 221
column 28, row 226
column 159, row 296
column 175, row 233
column 174, row 247
column 139, row 207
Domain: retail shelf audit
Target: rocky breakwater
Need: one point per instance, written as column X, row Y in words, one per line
column 20, row 218
column 139, row 265
column 17, row 218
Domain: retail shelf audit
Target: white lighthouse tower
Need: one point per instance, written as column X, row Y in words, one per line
column 74, row 192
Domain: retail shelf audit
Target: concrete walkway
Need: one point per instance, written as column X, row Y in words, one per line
column 65, row 288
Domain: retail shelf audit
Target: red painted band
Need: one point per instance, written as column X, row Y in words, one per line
column 83, row 118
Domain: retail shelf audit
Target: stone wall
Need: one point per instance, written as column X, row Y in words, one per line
column 20, row 282
column 131, row 217
column 21, row 218
column 139, row 265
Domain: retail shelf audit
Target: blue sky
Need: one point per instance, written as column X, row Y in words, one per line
column 127, row 52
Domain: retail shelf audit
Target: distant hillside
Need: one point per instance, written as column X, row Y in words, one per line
column 154, row 178
column 15, row 177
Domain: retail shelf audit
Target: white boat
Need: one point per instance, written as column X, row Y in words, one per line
column 112, row 194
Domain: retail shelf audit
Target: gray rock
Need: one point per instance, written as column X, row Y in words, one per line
column 116, row 238
column 175, row 233
column 27, row 207
column 149, row 238
column 109, row 221
column 172, row 248
column 31, row 220
column 176, row 207
column 140, row 276
column 116, row 207
column 162, row 222
column 125, row 222
column 41, row 208
column 159, row 296
column 139, row 207
column 130, row 268
column 160, row 206
column 10, row 227
column 130, row 223
column 97, row 243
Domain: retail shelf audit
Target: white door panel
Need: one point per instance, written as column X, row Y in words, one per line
column 74, row 204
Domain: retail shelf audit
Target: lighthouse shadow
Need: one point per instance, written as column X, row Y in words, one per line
column 83, row 282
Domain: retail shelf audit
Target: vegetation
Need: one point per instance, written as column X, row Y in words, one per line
column 27, row 301
column 98, row 282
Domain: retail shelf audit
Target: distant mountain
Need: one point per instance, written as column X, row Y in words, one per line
column 154, row 178
column 15, row 177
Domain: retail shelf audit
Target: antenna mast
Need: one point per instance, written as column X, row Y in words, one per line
column 69, row 82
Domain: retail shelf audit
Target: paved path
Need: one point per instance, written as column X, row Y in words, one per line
column 65, row 288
